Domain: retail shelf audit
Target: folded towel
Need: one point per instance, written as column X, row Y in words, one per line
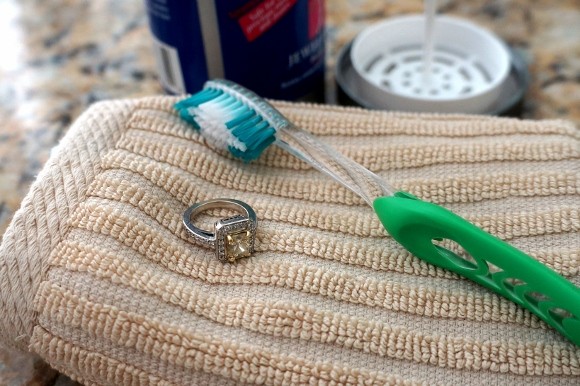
column 99, row 277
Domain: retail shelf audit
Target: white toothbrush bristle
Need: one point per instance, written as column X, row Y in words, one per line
column 211, row 118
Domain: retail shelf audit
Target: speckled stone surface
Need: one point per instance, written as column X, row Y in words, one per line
column 59, row 56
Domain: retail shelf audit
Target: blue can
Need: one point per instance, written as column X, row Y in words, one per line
column 274, row 47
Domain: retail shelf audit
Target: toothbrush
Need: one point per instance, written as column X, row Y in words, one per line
column 234, row 118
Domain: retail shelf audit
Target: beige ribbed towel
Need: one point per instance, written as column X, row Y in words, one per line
column 98, row 276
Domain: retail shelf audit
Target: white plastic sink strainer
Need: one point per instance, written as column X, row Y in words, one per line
column 468, row 66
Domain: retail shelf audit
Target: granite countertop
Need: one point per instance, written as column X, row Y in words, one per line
column 59, row 56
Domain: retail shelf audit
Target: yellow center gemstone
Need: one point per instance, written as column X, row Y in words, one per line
column 238, row 245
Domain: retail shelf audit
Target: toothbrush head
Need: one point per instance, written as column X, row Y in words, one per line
column 232, row 118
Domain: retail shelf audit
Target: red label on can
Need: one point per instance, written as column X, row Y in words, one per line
column 261, row 18
column 315, row 17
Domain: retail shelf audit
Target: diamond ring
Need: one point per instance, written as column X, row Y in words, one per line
column 233, row 237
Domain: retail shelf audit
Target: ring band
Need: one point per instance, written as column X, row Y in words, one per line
column 233, row 237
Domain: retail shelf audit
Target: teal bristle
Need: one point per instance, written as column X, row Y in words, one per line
column 247, row 126
column 241, row 117
column 254, row 153
column 197, row 99
column 256, row 135
column 184, row 106
column 238, row 153
column 222, row 99
column 237, row 109
column 187, row 117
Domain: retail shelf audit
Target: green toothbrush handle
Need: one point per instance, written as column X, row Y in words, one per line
column 415, row 224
